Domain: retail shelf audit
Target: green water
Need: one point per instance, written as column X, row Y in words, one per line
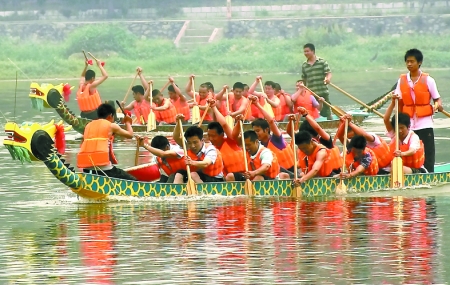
column 48, row 236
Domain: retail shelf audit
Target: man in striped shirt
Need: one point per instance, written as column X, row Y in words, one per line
column 316, row 74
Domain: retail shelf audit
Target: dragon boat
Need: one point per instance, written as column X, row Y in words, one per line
column 49, row 96
column 37, row 143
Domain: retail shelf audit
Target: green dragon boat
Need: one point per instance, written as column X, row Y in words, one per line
column 25, row 143
column 49, row 96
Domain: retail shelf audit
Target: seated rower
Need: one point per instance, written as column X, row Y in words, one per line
column 359, row 159
column 140, row 105
column 233, row 160
column 266, row 97
column 238, row 103
column 165, row 111
column 203, row 158
column 275, row 141
column 96, row 155
column 374, row 142
column 201, row 98
column 178, row 100
column 285, row 101
column 170, row 157
column 304, row 98
column 411, row 148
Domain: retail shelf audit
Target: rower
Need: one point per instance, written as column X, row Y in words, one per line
column 170, row 157
column 203, row 158
column 178, row 100
column 411, row 147
column 140, row 106
column 304, row 98
column 238, row 103
column 165, row 111
column 267, row 95
column 359, row 159
column 200, row 98
column 285, row 101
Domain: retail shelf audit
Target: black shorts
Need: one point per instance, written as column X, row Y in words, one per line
column 239, row 176
column 203, row 177
column 418, row 170
column 289, row 171
column 114, row 172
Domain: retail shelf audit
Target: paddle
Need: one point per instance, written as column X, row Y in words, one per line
column 228, row 119
column 88, row 61
column 297, row 191
column 341, row 189
column 248, row 186
column 357, row 100
column 397, row 177
column 195, row 117
column 128, row 91
column 336, row 110
column 102, row 63
column 191, row 188
column 204, row 115
column 436, row 104
column 267, row 107
column 136, row 156
column 151, row 120
column 164, row 87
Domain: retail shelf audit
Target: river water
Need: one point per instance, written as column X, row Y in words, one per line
column 48, row 236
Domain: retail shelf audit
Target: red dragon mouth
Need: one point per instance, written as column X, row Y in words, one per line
column 13, row 136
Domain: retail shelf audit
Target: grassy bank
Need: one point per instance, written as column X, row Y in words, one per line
column 123, row 51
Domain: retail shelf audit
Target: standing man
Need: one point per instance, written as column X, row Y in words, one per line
column 316, row 74
column 416, row 89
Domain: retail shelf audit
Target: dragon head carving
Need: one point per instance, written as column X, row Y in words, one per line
column 23, row 141
column 39, row 95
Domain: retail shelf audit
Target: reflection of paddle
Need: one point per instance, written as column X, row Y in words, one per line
column 248, row 186
column 228, row 119
column 397, row 177
column 128, row 91
column 151, row 120
column 336, row 110
column 267, row 107
column 342, row 188
column 356, row 100
column 204, row 115
column 195, row 117
column 191, row 188
column 297, row 191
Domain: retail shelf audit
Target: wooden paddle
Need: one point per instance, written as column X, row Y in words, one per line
column 128, row 91
column 165, row 86
column 267, row 107
column 195, row 117
column 297, row 191
column 357, row 100
column 228, row 119
column 151, row 120
column 436, row 104
column 341, row 189
column 248, row 186
column 191, row 188
column 204, row 115
column 336, row 110
column 397, row 177
column 136, row 156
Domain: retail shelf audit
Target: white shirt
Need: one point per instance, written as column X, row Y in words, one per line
column 210, row 152
column 178, row 150
column 412, row 137
column 424, row 122
column 266, row 155
column 375, row 143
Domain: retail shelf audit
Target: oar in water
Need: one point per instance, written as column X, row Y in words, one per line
column 267, row 107
column 128, row 91
column 228, row 119
column 356, row 100
column 151, row 120
column 397, row 177
column 336, row 110
column 248, row 186
column 297, row 191
column 195, row 117
column 341, row 189
column 191, row 188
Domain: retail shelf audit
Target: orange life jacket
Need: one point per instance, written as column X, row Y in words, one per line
column 141, row 110
column 233, row 160
column 203, row 102
column 307, row 161
column 167, row 115
column 373, row 167
column 336, row 160
column 96, row 148
column 285, row 110
column 413, row 161
column 182, row 108
column 285, row 156
column 256, row 113
column 211, row 170
column 305, row 100
column 383, row 154
column 421, row 103
column 277, row 111
column 171, row 165
column 236, row 104
column 88, row 102
column 255, row 163
column 223, row 106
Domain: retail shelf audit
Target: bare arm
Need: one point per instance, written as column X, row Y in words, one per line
column 320, row 159
column 241, row 109
column 202, row 164
column 288, row 100
column 275, row 102
column 130, row 106
column 128, row 133
column 219, row 96
column 163, row 107
column 176, row 132
column 160, row 153
column 235, row 135
column 273, row 126
column 177, row 90
column 314, row 124
column 262, row 170
column 83, row 73
column 101, row 79
column 189, row 87
column 144, row 82
column 221, row 120
column 387, row 116
column 359, row 131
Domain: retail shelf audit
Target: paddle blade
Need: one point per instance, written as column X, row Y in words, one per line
column 337, row 111
column 341, row 189
column 248, row 187
column 397, row 177
column 268, row 109
column 297, row 191
column 151, row 122
column 195, row 115
column 191, row 188
column 230, row 121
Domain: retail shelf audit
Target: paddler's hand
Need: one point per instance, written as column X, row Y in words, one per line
column 239, row 117
column 225, row 88
column 298, row 181
column 326, row 80
column 192, row 76
column 249, row 175
column 189, row 161
column 179, row 117
column 122, row 104
column 344, row 175
column 302, row 111
column 212, row 103
column 258, row 78
column 438, row 106
column 253, row 99
column 141, row 140
column 139, row 70
column 127, row 120
column 171, row 80
column 398, row 153
column 292, row 117
column 321, row 99
column 347, row 117
column 395, row 97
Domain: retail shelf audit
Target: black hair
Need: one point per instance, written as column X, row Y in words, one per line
column 238, row 85
column 159, row 142
column 263, row 124
column 277, row 86
column 209, row 85
column 155, row 92
column 310, row 46
column 171, row 88
column 138, row 89
column 250, row 135
column 194, row 131
column 215, row 126
column 246, row 85
column 403, row 119
column 305, row 126
column 89, row 74
column 270, row 83
column 300, row 80
column 416, row 53
column 358, row 142
column 302, row 137
column 205, row 85
column 104, row 110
